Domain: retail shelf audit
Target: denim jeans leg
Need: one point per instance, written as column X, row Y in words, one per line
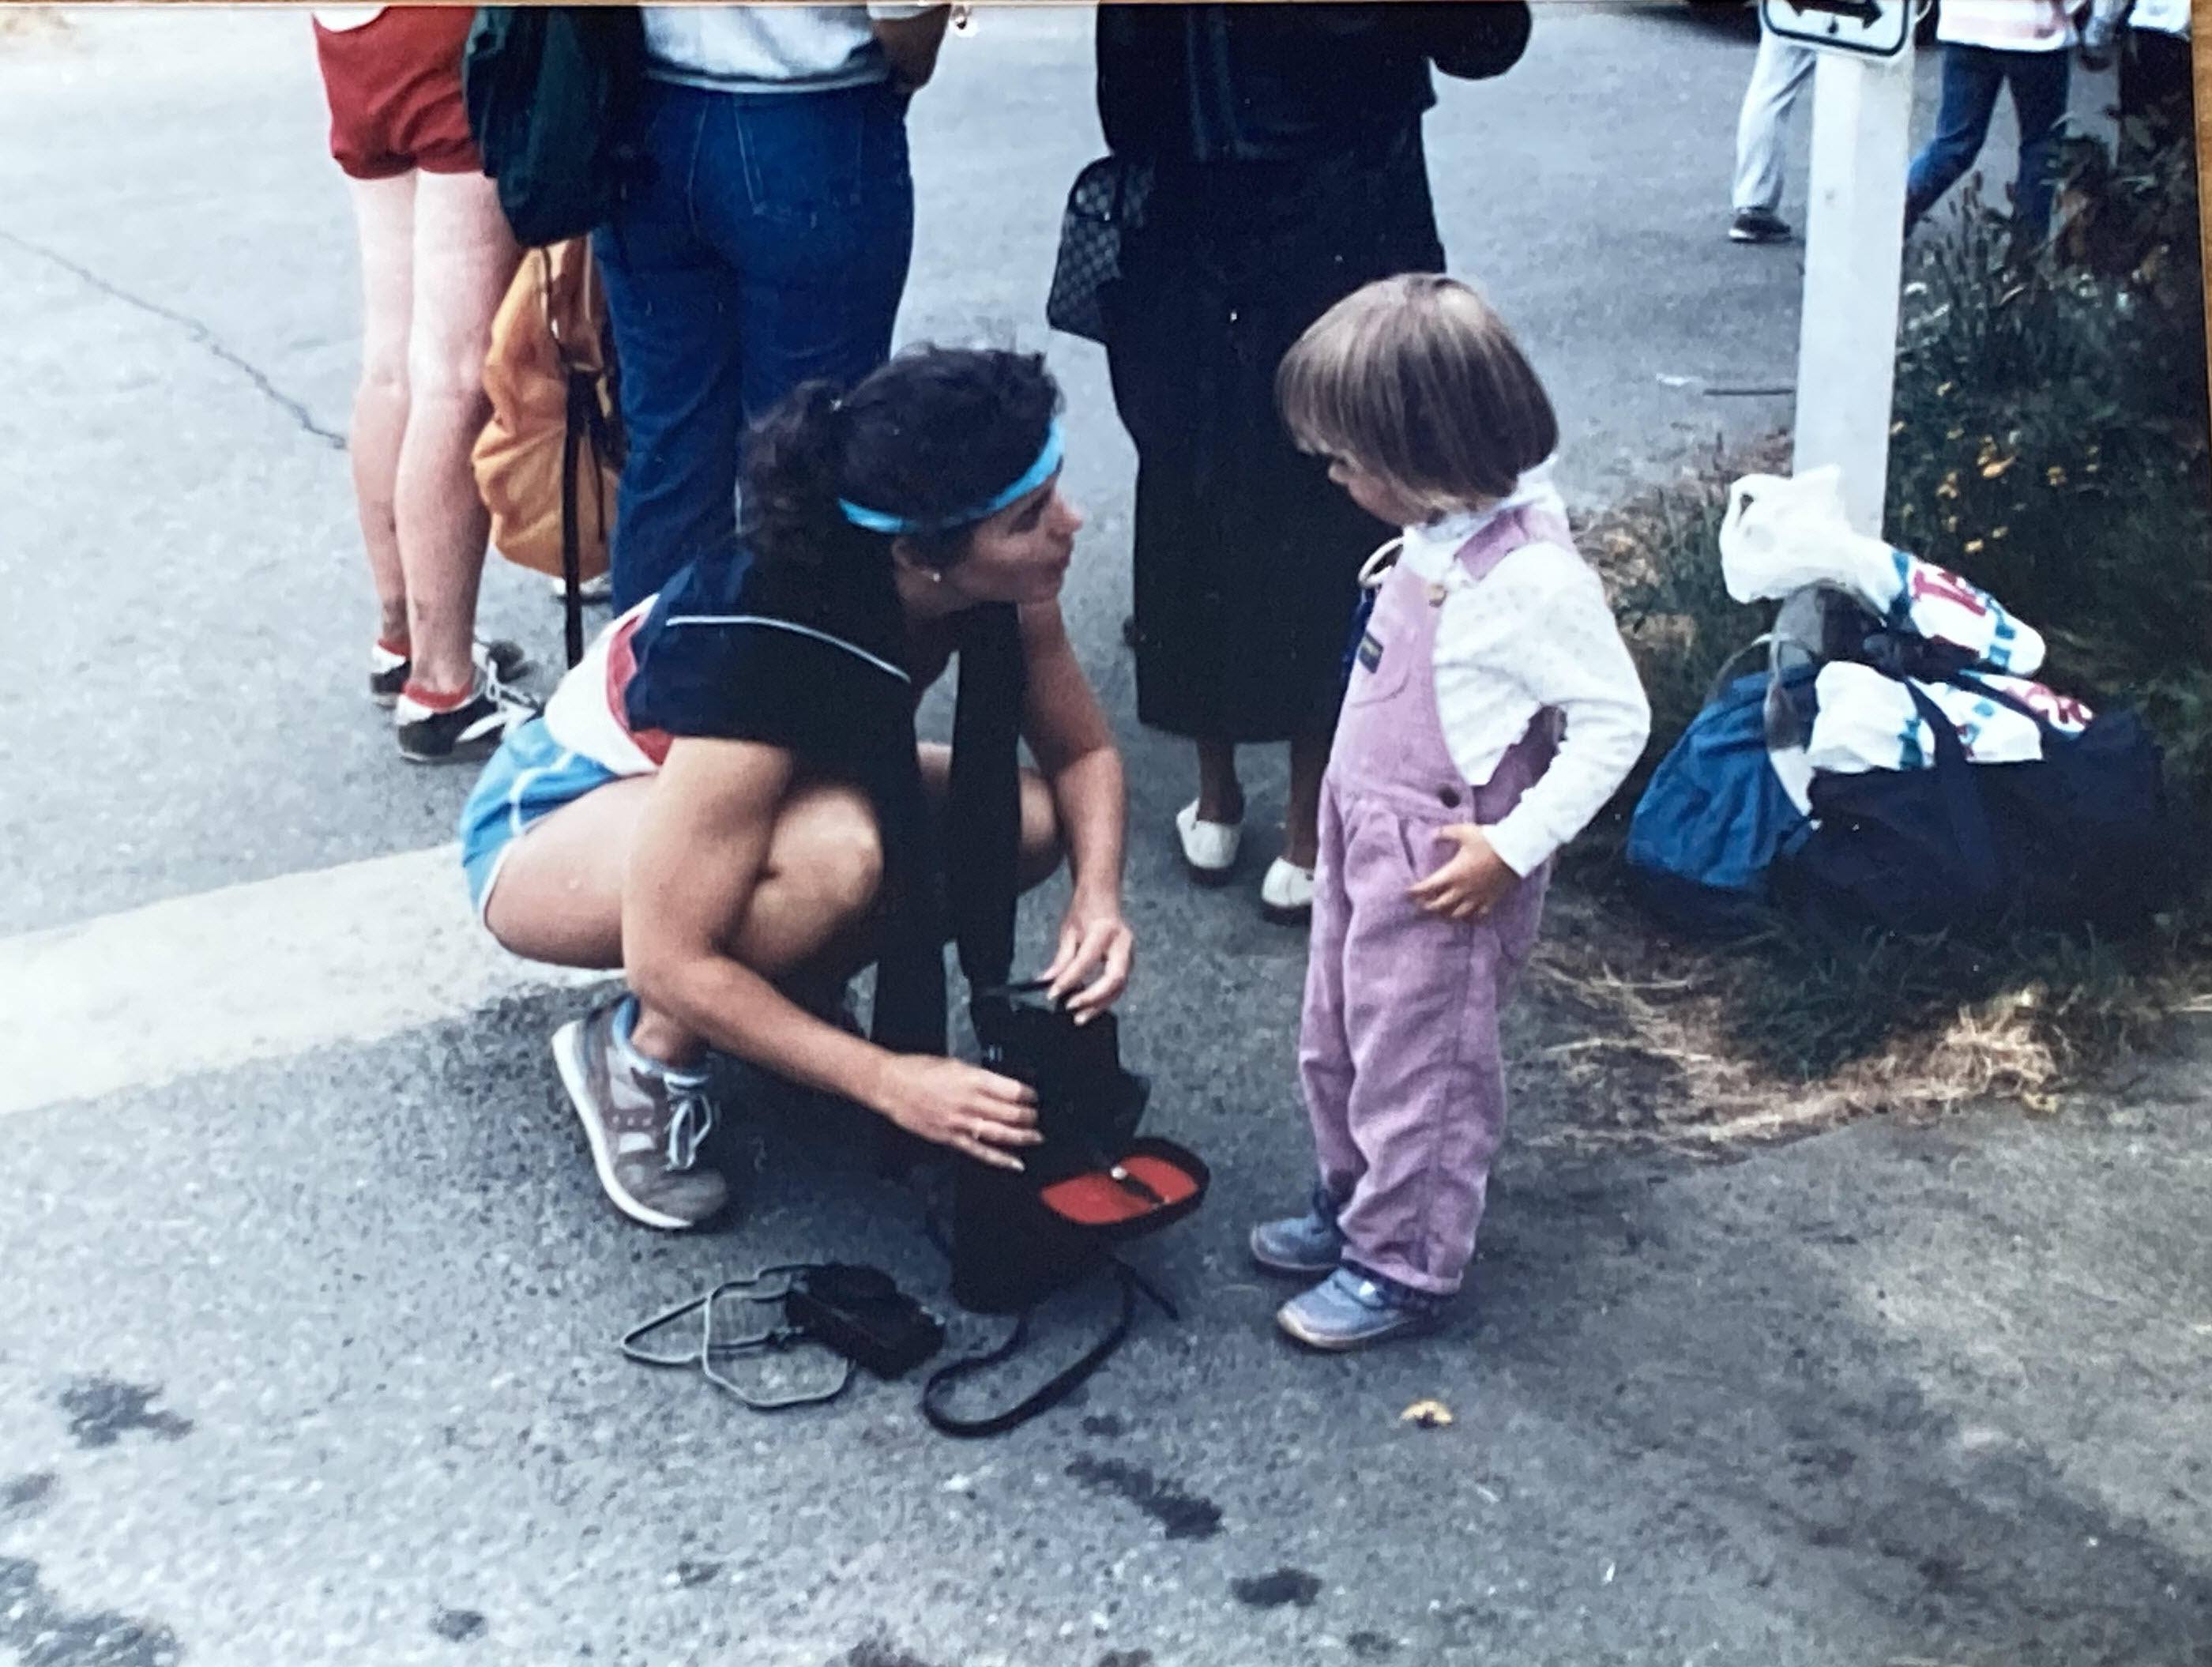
column 672, row 303
column 825, row 236
column 1972, row 76
column 2039, row 82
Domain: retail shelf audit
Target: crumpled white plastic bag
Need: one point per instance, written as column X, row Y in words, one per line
column 1783, row 532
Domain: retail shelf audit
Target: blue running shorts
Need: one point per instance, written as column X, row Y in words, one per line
column 529, row 777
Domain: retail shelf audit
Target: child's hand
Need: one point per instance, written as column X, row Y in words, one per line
column 1473, row 877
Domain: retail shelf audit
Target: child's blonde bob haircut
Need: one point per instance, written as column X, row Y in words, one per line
column 1415, row 380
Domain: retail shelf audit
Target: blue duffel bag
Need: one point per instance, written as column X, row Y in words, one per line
column 1715, row 816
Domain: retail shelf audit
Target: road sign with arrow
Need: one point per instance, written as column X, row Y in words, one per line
column 1873, row 28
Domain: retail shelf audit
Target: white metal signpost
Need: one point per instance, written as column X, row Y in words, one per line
column 1854, row 237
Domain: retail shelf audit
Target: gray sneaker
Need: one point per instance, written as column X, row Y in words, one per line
column 1352, row 1309
column 645, row 1127
column 1306, row 1245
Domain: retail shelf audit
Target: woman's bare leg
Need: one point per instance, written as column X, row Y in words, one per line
column 463, row 257
column 1220, row 795
column 558, row 896
column 383, row 212
column 1301, row 816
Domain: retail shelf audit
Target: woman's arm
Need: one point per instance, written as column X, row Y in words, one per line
column 1073, row 745
column 695, row 870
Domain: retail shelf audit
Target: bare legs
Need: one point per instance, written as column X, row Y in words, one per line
column 435, row 257
column 383, row 210
column 558, row 898
column 1221, row 796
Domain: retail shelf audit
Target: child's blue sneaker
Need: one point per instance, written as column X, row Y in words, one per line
column 1304, row 1245
column 1352, row 1308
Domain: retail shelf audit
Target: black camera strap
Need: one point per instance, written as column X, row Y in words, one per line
column 1040, row 1400
column 1058, row 1388
column 983, row 809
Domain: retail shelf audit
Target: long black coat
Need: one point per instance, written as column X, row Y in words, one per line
column 1283, row 147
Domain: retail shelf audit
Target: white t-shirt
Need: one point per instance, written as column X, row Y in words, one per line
column 768, row 49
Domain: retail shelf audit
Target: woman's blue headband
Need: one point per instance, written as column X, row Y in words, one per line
column 878, row 521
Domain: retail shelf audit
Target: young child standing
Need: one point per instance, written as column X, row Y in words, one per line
column 1491, row 710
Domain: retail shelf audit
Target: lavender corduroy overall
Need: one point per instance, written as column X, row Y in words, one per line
column 1399, row 1048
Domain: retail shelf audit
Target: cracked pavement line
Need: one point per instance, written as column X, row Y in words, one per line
column 199, row 331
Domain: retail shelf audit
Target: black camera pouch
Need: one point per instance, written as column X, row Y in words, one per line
column 1092, row 1183
column 861, row 1314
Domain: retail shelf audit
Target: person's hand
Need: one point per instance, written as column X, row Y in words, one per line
column 950, row 1102
column 1095, row 944
column 1471, row 879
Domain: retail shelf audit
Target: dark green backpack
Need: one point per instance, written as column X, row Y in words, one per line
column 553, row 95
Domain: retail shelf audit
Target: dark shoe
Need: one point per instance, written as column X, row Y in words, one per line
column 463, row 733
column 645, row 1126
column 1758, row 226
column 388, row 671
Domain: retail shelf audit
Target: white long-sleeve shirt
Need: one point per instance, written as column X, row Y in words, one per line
column 1535, row 632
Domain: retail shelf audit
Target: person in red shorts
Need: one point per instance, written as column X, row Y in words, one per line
column 436, row 257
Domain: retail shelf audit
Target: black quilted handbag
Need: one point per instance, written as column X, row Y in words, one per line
column 1107, row 199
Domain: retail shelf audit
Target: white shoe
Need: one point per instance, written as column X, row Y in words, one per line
column 1286, row 893
column 1209, row 848
column 594, row 592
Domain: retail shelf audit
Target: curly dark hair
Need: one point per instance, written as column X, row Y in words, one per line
column 933, row 432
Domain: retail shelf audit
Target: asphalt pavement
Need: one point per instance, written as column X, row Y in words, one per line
column 308, row 1299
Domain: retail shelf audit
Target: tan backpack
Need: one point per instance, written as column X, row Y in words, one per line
column 548, row 461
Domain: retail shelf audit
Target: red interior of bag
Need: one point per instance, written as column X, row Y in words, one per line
column 1098, row 1199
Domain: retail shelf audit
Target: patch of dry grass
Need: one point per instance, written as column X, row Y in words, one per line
column 1656, row 1042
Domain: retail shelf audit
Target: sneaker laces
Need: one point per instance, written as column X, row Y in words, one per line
column 690, row 1120
column 502, row 692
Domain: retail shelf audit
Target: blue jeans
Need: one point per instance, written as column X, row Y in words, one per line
column 769, row 244
column 1972, row 78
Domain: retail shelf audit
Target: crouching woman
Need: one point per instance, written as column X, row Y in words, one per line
column 726, row 801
